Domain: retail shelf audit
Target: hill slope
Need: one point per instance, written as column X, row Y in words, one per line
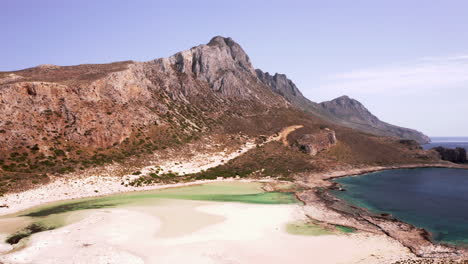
column 57, row 119
column 342, row 110
column 352, row 113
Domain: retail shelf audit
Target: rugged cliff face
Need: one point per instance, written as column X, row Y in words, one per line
column 342, row 110
column 102, row 105
column 280, row 84
column 59, row 119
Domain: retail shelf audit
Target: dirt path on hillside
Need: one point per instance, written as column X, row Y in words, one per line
column 283, row 135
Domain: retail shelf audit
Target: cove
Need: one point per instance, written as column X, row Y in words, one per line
column 435, row 199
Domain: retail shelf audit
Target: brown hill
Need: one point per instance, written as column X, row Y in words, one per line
column 58, row 119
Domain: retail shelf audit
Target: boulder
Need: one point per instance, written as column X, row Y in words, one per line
column 314, row 143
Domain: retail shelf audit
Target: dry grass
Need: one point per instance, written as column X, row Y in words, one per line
column 83, row 72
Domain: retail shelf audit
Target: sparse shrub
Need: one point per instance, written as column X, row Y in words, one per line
column 26, row 232
column 35, row 148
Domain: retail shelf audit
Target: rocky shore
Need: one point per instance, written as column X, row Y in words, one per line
column 312, row 189
column 326, row 207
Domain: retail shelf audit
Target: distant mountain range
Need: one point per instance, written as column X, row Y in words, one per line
column 342, row 110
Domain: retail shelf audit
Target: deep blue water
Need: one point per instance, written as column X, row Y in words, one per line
column 435, row 199
column 447, row 142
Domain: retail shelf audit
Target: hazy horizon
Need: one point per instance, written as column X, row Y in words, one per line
column 407, row 62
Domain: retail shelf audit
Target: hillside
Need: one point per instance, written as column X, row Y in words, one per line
column 60, row 119
column 342, row 110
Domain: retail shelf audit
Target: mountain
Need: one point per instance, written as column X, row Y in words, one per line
column 57, row 119
column 103, row 104
column 352, row 113
column 342, row 110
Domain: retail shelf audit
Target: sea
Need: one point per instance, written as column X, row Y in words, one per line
column 435, row 199
column 448, row 142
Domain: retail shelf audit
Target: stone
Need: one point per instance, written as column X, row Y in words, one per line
column 314, row 143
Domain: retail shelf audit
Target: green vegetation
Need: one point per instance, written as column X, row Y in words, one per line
column 316, row 229
column 272, row 159
column 26, row 232
column 35, row 148
column 307, row 229
column 345, row 229
column 222, row 192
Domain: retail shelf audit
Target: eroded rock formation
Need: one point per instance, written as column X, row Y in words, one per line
column 314, row 143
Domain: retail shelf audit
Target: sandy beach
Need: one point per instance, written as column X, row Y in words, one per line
column 206, row 232
column 223, row 233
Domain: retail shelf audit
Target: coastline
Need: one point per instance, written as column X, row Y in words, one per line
column 102, row 183
column 318, row 203
column 417, row 240
column 60, row 196
column 220, row 233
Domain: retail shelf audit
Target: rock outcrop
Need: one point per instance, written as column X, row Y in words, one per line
column 102, row 105
column 280, row 84
column 314, row 143
column 456, row 155
column 222, row 63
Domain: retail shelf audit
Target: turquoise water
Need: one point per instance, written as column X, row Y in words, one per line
column 55, row 215
column 435, row 199
column 220, row 192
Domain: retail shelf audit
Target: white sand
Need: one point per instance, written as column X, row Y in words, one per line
column 249, row 234
column 106, row 183
column 99, row 185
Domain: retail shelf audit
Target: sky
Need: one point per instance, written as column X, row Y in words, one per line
column 406, row 61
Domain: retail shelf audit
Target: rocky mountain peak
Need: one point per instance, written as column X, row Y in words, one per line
column 222, row 63
column 343, row 98
column 346, row 101
column 352, row 113
column 342, row 110
column 349, row 109
column 280, row 84
column 234, row 49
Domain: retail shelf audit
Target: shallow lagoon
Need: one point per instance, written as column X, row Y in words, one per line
column 229, row 222
column 163, row 203
column 435, row 199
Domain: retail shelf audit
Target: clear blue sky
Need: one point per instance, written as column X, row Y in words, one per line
column 407, row 61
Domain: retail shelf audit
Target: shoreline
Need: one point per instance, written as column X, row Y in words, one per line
column 318, row 206
column 6, row 211
column 73, row 188
column 122, row 235
column 365, row 170
column 101, row 183
column 417, row 240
